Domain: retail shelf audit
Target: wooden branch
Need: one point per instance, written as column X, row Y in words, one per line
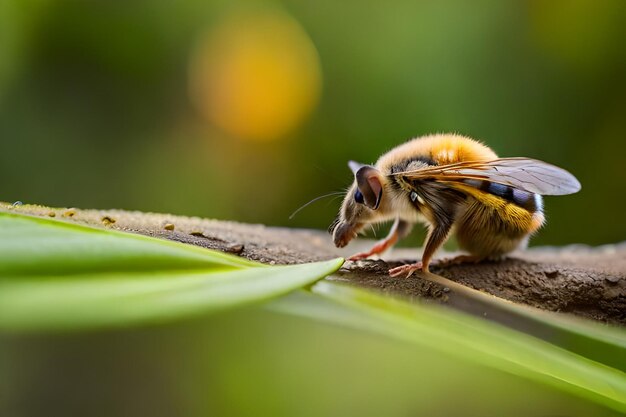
column 581, row 280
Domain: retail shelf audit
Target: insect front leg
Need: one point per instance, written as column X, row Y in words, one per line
column 399, row 230
column 437, row 236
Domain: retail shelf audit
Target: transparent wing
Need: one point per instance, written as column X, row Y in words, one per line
column 525, row 174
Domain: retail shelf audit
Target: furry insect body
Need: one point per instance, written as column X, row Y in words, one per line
column 450, row 183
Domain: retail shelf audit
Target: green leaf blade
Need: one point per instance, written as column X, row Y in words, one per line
column 59, row 276
column 110, row 300
column 35, row 246
column 469, row 338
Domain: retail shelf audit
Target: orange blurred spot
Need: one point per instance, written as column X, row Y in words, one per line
column 256, row 76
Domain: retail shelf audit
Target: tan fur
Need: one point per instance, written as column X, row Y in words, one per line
column 443, row 149
column 485, row 224
column 491, row 226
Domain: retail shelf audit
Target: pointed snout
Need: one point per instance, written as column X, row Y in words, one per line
column 343, row 233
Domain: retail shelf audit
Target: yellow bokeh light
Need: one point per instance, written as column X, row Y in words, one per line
column 256, row 76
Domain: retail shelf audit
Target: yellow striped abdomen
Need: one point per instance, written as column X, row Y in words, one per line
column 491, row 226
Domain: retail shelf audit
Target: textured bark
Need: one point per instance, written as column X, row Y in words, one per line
column 581, row 280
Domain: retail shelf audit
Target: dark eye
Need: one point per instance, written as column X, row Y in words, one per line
column 358, row 197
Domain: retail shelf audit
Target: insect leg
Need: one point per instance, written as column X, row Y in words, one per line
column 437, row 235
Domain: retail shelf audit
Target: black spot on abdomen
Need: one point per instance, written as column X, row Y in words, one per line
column 523, row 199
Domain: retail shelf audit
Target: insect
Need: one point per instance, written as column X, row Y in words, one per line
column 454, row 184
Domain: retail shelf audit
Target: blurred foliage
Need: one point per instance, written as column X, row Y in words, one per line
column 55, row 275
column 305, row 348
column 254, row 362
column 99, row 107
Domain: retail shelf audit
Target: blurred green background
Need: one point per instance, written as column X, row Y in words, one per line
column 246, row 110
column 255, row 362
